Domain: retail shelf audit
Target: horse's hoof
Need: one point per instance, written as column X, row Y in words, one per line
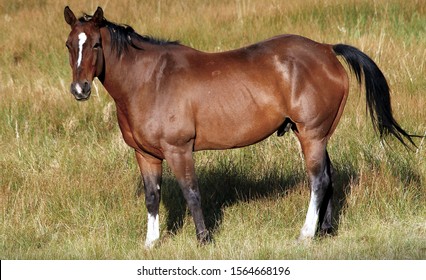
column 204, row 237
column 149, row 244
column 304, row 240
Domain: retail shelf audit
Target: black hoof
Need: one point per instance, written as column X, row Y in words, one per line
column 204, row 237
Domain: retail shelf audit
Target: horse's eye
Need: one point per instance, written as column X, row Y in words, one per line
column 97, row 45
column 68, row 46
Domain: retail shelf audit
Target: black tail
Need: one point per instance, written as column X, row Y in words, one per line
column 377, row 90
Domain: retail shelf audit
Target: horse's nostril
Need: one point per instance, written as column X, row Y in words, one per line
column 86, row 87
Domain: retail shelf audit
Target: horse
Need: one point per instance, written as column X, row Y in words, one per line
column 172, row 100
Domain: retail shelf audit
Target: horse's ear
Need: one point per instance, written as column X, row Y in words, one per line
column 98, row 17
column 69, row 16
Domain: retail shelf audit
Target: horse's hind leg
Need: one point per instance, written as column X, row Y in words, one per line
column 319, row 171
column 326, row 210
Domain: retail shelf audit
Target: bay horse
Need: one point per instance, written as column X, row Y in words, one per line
column 173, row 100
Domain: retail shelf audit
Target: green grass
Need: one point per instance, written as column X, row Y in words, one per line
column 68, row 181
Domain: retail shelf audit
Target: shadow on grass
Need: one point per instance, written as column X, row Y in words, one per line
column 343, row 177
column 401, row 167
column 221, row 188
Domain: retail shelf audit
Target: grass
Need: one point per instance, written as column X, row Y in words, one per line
column 67, row 180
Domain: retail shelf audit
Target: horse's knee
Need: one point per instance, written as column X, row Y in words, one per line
column 192, row 197
column 152, row 201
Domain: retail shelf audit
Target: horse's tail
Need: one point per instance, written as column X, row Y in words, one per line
column 377, row 91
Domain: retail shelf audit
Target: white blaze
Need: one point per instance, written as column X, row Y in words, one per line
column 82, row 37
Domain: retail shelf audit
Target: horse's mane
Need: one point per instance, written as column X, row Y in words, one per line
column 124, row 36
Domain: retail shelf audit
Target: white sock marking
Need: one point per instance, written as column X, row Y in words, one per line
column 82, row 37
column 153, row 231
column 309, row 228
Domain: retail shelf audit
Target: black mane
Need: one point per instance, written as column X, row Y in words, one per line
column 124, row 36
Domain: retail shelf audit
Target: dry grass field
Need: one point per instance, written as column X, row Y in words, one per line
column 68, row 181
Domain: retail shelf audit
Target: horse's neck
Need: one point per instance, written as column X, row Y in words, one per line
column 123, row 79
column 112, row 75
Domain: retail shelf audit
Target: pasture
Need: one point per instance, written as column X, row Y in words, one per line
column 68, row 181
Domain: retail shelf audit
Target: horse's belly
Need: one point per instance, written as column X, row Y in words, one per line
column 238, row 131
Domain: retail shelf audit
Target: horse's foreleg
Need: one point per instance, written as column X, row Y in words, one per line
column 151, row 169
column 319, row 171
column 182, row 164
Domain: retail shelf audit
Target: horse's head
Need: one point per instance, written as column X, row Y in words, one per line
column 85, row 51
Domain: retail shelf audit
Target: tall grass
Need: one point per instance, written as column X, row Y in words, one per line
column 67, row 180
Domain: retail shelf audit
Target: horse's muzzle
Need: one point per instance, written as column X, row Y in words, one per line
column 81, row 90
